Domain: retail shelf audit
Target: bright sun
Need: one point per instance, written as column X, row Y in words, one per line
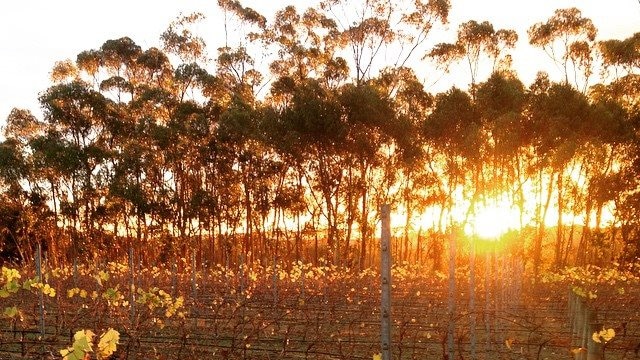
column 490, row 222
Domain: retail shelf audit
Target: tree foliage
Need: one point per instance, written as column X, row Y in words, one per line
column 162, row 151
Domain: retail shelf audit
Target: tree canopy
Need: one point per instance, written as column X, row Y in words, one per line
column 164, row 151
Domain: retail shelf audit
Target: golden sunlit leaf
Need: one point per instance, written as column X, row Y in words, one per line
column 377, row 356
column 603, row 335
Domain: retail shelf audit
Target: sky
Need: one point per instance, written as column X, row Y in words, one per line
column 34, row 34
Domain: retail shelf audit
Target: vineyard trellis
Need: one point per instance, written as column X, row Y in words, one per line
column 298, row 310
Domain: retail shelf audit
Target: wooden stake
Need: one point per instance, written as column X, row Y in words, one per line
column 386, row 282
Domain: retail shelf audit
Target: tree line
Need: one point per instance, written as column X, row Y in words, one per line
column 289, row 141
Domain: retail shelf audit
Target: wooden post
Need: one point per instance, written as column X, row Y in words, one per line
column 174, row 276
column 583, row 322
column 594, row 349
column 472, row 297
column 194, row 285
column 386, row 281
column 274, row 280
column 41, row 295
column 488, row 274
column 132, row 286
column 451, row 306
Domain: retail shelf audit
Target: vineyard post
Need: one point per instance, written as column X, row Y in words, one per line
column 488, row 273
column 194, row 286
column 497, row 286
column 451, row 305
column 274, row 280
column 174, row 276
column 132, row 284
column 575, row 317
column 472, row 297
column 386, row 281
column 241, row 272
column 499, row 292
column 41, row 293
column 594, row 348
column 75, row 265
column 583, row 323
column 302, row 281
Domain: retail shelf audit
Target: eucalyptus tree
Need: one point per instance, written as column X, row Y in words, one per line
column 605, row 157
column 314, row 130
column 21, row 128
column 559, row 117
column 417, row 183
column 305, row 46
column 13, row 167
column 369, row 119
column 368, row 29
column 14, row 214
column 75, row 115
column 621, row 68
column 25, row 219
column 610, row 153
column 476, row 42
column 454, row 129
column 129, row 121
column 501, row 101
column 127, row 76
column 568, row 39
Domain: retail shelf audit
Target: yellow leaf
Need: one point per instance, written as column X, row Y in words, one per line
column 108, row 342
column 609, row 334
column 377, row 356
column 604, row 334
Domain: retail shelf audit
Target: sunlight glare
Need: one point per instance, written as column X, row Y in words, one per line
column 491, row 222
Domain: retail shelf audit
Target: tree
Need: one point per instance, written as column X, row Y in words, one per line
column 475, row 39
column 568, row 39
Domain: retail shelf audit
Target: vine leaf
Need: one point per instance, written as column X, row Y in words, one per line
column 108, row 342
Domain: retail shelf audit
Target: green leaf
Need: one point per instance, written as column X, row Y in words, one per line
column 10, row 312
column 12, row 286
column 27, row 284
column 82, row 341
column 72, row 354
